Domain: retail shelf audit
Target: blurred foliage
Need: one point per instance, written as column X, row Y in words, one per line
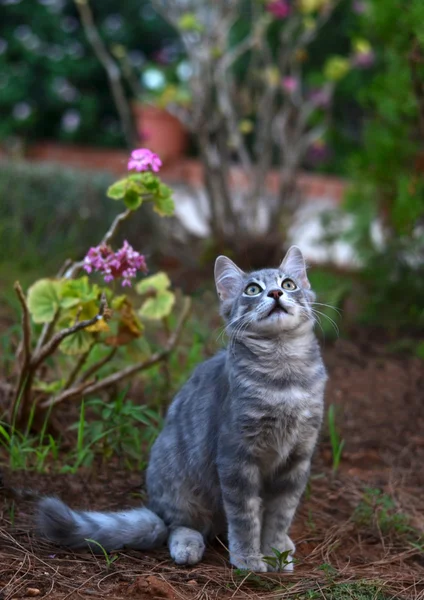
column 51, row 83
column 388, row 172
column 74, row 202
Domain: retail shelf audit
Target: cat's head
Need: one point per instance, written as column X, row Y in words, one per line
column 267, row 302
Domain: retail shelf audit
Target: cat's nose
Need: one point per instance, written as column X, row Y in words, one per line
column 275, row 294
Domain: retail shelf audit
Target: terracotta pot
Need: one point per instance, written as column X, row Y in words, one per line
column 160, row 132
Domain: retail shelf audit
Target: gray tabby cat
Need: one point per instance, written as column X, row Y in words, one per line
column 235, row 452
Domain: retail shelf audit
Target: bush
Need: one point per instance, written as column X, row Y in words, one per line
column 48, row 213
column 52, row 85
column 388, row 173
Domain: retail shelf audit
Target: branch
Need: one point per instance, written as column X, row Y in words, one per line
column 51, row 346
column 90, row 387
column 68, row 394
column 26, row 324
column 79, row 365
column 111, row 68
column 98, row 365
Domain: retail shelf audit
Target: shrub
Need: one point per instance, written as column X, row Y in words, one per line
column 387, row 174
column 48, row 213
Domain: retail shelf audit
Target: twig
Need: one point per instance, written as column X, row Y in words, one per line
column 90, row 388
column 112, row 70
column 24, row 374
column 98, row 365
column 51, row 346
column 26, row 324
column 79, row 365
column 67, row 394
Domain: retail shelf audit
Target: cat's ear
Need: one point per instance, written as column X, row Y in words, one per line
column 294, row 264
column 228, row 278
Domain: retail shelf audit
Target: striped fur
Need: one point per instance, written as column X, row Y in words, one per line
column 235, row 452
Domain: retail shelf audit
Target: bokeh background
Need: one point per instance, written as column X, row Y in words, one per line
column 277, row 122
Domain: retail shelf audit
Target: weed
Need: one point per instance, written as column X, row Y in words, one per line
column 109, row 558
column 378, row 510
column 337, row 444
column 116, row 430
column 279, row 560
column 355, row 590
column 255, row 580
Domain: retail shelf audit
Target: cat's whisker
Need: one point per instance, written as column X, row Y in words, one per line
column 334, row 324
column 337, row 310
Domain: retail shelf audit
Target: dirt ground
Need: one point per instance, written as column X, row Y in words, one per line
column 379, row 398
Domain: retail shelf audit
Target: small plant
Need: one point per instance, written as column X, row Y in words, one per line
column 337, row 444
column 377, row 510
column 82, row 325
column 115, row 430
column 109, row 558
column 279, row 560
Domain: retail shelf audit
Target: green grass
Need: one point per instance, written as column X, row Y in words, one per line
column 355, row 590
column 378, row 510
column 337, row 444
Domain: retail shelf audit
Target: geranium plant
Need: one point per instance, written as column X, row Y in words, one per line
column 87, row 322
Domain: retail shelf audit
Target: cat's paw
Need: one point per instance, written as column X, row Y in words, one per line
column 249, row 563
column 187, row 553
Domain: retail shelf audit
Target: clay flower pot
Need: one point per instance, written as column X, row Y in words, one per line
column 160, row 131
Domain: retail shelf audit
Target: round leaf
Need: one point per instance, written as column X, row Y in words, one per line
column 43, row 300
column 76, row 343
column 159, row 282
column 158, row 307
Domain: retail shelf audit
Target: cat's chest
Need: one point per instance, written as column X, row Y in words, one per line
column 277, row 423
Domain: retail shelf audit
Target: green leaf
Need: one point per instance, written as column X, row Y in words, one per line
column 132, row 199
column 158, row 307
column 189, row 22
column 49, row 387
column 159, row 282
column 117, row 190
column 77, row 343
column 43, row 300
column 118, row 302
column 163, row 203
column 336, row 68
column 77, row 291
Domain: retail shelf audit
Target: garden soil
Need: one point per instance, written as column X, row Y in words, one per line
column 351, row 542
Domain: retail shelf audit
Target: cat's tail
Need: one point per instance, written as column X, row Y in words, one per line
column 137, row 528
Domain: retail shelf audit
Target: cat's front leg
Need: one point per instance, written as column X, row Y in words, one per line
column 240, row 486
column 281, row 498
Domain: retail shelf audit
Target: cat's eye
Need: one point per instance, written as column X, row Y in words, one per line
column 289, row 284
column 253, row 289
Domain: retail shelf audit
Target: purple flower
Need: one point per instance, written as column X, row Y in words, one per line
column 279, row 8
column 143, row 160
column 115, row 265
column 359, row 7
column 290, row 84
column 363, row 60
column 320, row 97
column 318, row 152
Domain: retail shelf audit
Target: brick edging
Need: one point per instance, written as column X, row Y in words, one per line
column 312, row 185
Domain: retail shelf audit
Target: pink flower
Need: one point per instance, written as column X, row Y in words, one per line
column 359, row 7
column 143, row 160
column 320, row 97
column 113, row 265
column 318, row 152
column 279, row 8
column 290, row 84
column 363, row 60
